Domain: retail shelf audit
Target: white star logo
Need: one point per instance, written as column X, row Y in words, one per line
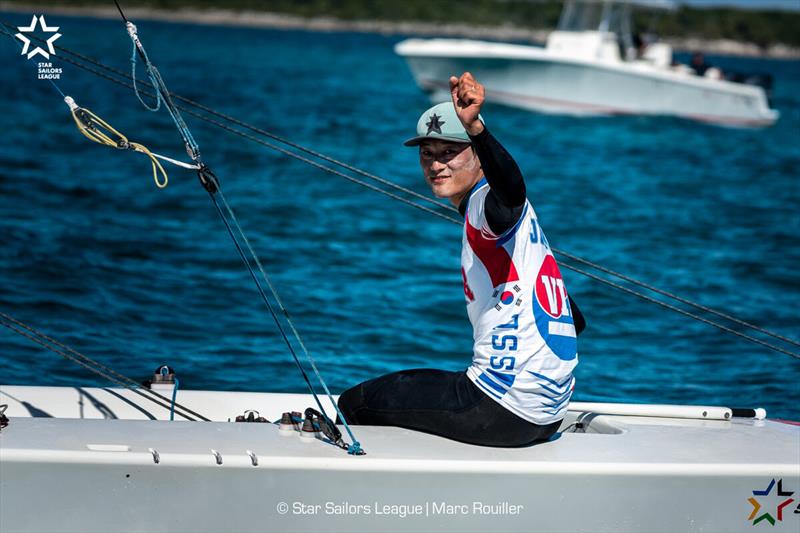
column 27, row 42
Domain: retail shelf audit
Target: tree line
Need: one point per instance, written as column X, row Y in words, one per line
column 762, row 27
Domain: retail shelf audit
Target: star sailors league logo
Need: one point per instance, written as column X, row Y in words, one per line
column 767, row 500
column 26, row 48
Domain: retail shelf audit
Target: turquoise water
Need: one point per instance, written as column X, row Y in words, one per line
column 92, row 253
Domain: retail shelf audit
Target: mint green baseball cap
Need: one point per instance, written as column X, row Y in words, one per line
column 440, row 123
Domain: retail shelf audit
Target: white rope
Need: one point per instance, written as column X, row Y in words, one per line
column 176, row 162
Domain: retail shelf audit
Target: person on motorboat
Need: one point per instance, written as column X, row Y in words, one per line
column 640, row 44
column 699, row 64
column 703, row 68
column 519, row 384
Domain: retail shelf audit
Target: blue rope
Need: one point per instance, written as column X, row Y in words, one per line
column 136, row 86
column 162, row 95
column 172, row 404
column 355, row 446
column 57, row 89
column 164, row 371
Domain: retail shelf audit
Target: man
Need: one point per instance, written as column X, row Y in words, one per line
column 699, row 64
column 519, row 384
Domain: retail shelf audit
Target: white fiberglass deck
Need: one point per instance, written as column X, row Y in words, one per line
column 67, row 464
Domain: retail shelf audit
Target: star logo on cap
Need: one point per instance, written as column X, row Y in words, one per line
column 434, row 124
column 27, row 42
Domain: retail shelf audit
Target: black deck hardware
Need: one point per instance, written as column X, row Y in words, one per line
column 251, row 416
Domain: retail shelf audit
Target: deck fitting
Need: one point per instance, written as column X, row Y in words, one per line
column 217, row 456
column 253, row 457
column 155, row 454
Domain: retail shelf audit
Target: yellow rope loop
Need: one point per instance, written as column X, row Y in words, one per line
column 92, row 126
column 98, row 130
column 157, row 167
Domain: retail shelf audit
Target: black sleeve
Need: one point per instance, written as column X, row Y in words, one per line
column 506, row 199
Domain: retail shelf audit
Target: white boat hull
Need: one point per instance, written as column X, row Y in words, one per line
column 538, row 80
column 622, row 473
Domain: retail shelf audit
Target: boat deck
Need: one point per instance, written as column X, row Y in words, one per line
column 620, row 473
column 71, row 419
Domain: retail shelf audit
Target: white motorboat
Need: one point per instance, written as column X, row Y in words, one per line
column 591, row 66
column 99, row 459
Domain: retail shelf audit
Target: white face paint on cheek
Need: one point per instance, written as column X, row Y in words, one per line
column 472, row 164
column 468, row 165
column 466, row 169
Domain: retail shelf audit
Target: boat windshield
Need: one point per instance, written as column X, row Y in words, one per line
column 582, row 15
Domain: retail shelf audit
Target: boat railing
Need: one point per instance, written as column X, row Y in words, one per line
column 612, row 17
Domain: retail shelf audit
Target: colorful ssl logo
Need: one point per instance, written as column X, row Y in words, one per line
column 783, row 498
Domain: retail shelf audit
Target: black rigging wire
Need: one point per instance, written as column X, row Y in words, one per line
column 400, row 188
column 120, row 11
column 684, row 312
column 94, row 366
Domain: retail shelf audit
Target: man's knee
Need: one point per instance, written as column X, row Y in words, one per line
column 349, row 403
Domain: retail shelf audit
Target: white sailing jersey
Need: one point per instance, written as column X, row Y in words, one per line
column 525, row 343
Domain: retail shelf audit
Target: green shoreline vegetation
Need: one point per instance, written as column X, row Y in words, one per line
column 764, row 28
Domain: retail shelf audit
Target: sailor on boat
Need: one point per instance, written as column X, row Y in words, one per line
column 519, row 384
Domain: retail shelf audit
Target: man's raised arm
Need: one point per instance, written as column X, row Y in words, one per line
column 506, row 201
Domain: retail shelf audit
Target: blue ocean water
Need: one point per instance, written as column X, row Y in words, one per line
column 93, row 254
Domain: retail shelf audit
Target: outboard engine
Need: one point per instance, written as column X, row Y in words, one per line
column 765, row 81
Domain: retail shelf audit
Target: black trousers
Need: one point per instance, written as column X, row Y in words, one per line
column 443, row 403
